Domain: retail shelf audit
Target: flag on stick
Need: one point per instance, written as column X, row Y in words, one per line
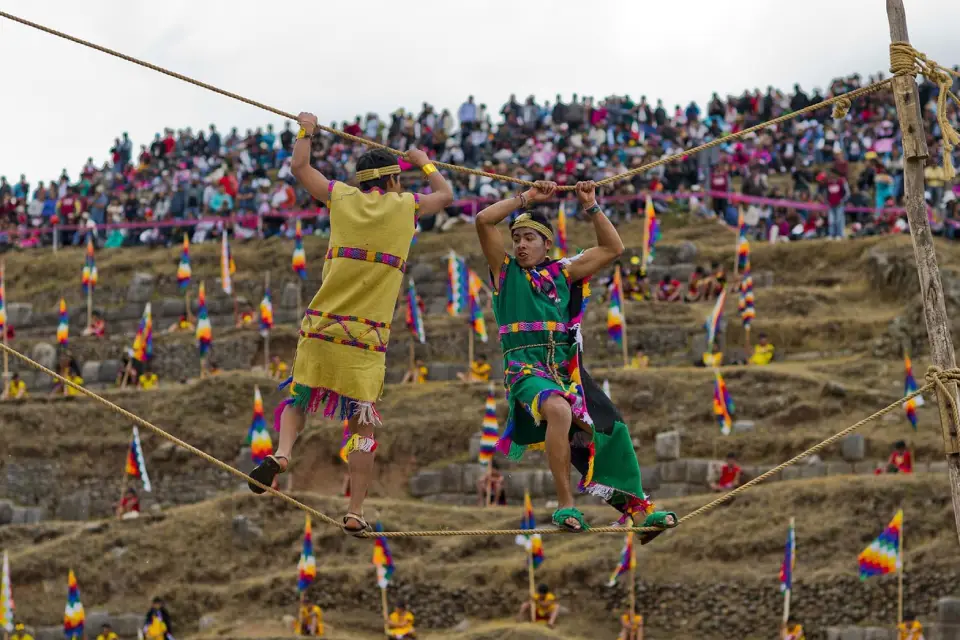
column 883, row 554
column 258, row 437
column 491, row 430
column 136, row 464
column 299, row 256
column 382, row 560
column 73, row 615
column 307, row 567
column 628, row 560
column 532, row 543
column 63, row 328
column 183, row 269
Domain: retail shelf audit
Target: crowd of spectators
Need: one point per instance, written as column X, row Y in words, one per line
column 831, row 164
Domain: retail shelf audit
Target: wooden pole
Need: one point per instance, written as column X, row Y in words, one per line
column 6, row 321
column 633, row 585
column 533, row 588
column 236, row 309
column 383, row 603
column 413, row 358
column 934, row 308
column 123, row 491
column 746, row 340
column 489, row 484
column 900, row 576
column 469, row 349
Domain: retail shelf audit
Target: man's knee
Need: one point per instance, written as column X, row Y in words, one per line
column 557, row 411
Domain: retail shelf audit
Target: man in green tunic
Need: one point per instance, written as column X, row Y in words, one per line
column 554, row 404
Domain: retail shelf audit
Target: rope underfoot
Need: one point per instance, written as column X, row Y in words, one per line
column 905, row 60
column 935, row 379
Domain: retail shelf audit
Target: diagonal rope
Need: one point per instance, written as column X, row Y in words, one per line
column 935, row 378
column 842, row 101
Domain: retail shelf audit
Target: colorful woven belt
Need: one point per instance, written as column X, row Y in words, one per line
column 346, row 343
column 368, row 256
column 339, row 318
column 520, row 327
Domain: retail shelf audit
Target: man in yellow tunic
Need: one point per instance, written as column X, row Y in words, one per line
column 340, row 363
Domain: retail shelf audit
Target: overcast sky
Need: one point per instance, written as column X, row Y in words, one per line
column 61, row 102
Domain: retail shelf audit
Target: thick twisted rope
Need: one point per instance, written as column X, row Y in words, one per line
column 935, row 377
column 908, row 61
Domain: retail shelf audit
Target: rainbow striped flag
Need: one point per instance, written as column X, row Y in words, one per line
column 789, row 561
column 628, row 560
column 561, row 248
column 476, row 310
column 743, row 245
column 7, row 608
column 491, row 430
column 183, row 269
column 723, row 407
column 909, row 386
column 382, row 560
column 532, row 543
column 344, row 440
column 89, row 276
column 883, row 554
column 651, row 233
column 714, row 320
column 748, row 312
column 261, row 445
column 143, row 340
column 307, row 566
column 615, row 311
column 3, row 307
column 457, row 284
column 415, row 312
column 136, row 464
column 204, row 330
column 63, row 329
column 73, row 615
column 266, row 313
column 227, row 266
column 299, row 255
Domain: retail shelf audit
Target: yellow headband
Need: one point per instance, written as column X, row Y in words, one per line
column 375, row 174
column 525, row 221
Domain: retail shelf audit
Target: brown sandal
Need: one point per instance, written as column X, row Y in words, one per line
column 355, row 532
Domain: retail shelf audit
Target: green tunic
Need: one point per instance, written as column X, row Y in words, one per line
column 538, row 312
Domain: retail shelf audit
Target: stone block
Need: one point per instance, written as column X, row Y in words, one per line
column 244, row 462
column 687, row 252
column 90, row 371
column 762, row 279
column 813, row 470
column 864, row 467
column 108, row 371
column 698, row 471
column 288, row 298
column 879, row 633
column 948, row 610
column 6, row 512
column 650, row 477
column 141, row 287
column 667, row 445
column 471, row 476
column 844, row 633
column 670, row 490
column 170, row 308
column 938, row 467
column 741, row 426
column 426, row 483
column 45, row 354
column 837, row 468
column 75, row 506
column 516, row 482
column 474, row 448
column 26, row 515
column 422, row 272
column 792, row 473
column 453, row 478
column 853, row 448
column 245, row 529
column 20, row 314
column 674, row 471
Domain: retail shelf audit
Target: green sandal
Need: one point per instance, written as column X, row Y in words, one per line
column 560, row 517
column 662, row 519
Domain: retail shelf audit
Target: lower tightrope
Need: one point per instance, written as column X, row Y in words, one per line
column 935, row 377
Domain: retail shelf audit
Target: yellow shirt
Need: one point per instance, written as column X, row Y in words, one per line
column 912, row 632
column 639, row 362
column 108, row 636
column 18, row 389
column 185, row 325
column 795, row 633
column 762, row 354
column 303, row 624
column 21, row 636
column 149, row 381
column 480, row 372
column 75, row 380
column 278, row 369
column 402, row 624
column 637, row 621
column 712, row 359
column 422, row 374
column 545, row 605
column 157, row 629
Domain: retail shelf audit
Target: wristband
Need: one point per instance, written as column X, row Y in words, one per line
column 428, row 169
column 523, row 201
column 303, row 134
column 593, row 209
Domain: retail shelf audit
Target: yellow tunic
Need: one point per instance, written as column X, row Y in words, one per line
column 403, row 625
column 762, row 354
column 341, row 354
column 913, row 631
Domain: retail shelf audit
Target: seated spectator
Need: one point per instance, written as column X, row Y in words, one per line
column 417, row 375
column 669, row 289
column 310, row 620
column 792, row 630
column 713, row 286
column 636, row 286
column 98, row 326
column 545, row 606
column 107, row 633
column 631, row 629
column 278, row 368
column 900, row 460
column 148, row 380
column 246, row 318
column 479, row 370
column 400, row 623
column 729, row 475
column 213, row 369
column 159, row 611
column 639, row 360
column 20, row 632
column 491, row 484
column 129, row 506
column 762, row 351
column 16, row 389
column 129, row 369
column 73, row 375
column 182, row 325
column 695, row 286
column 910, row 628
